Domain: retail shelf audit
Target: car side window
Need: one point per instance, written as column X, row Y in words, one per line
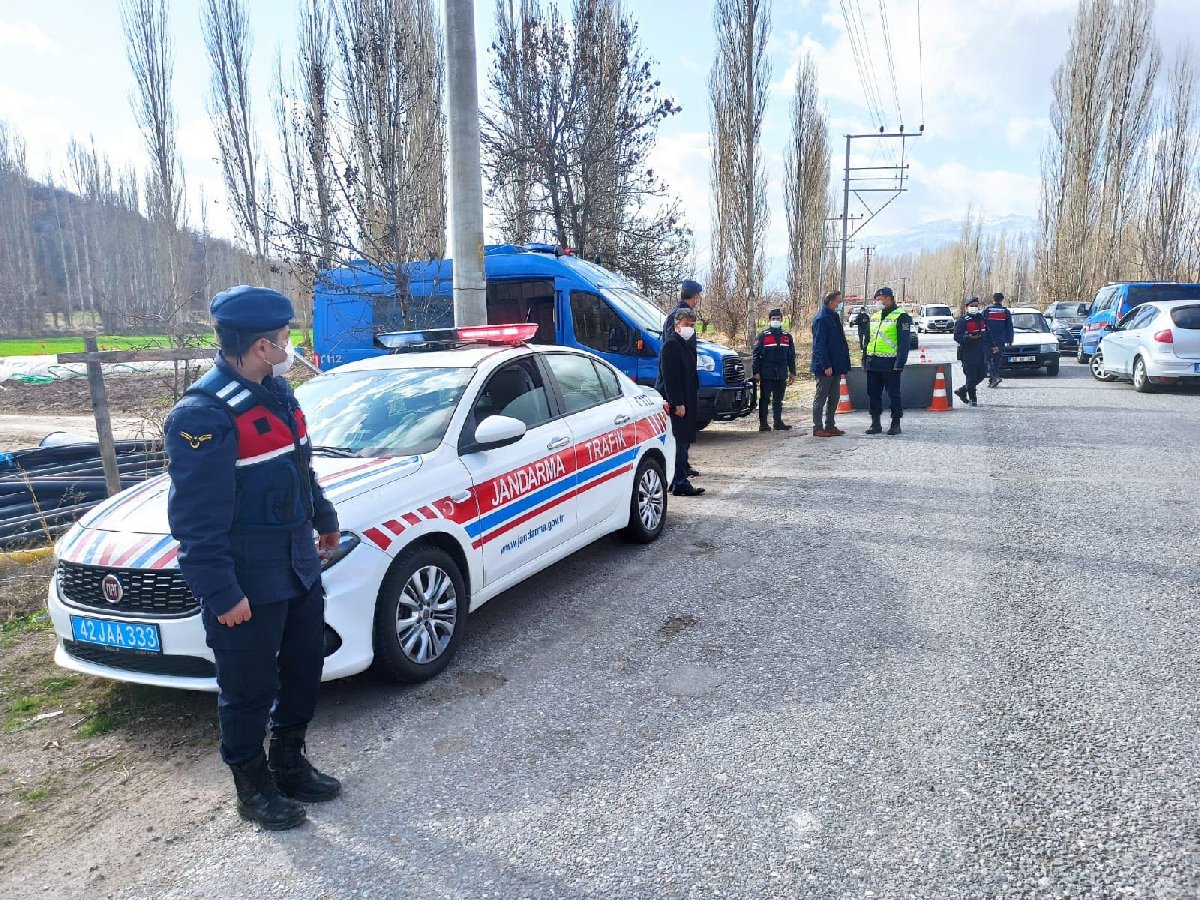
column 516, row 390
column 576, row 376
column 1145, row 316
column 608, row 380
column 597, row 326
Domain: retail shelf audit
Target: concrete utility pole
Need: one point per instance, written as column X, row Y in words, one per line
column 465, row 169
column 867, row 279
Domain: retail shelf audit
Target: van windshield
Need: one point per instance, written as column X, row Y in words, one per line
column 644, row 314
column 937, row 311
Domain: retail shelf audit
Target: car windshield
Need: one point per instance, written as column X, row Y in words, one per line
column 937, row 311
column 644, row 314
column 1029, row 322
column 1144, row 293
column 1069, row 310
column 384, row 412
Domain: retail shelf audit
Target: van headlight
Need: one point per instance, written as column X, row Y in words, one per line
column 347, row 541
column 706, row 363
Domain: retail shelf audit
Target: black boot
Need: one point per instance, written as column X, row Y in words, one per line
column 779, row 426
column 294, row 775
column 763, row 426
column 260, row 801
column 876, row 426
column 961, row 394
column 894, row 428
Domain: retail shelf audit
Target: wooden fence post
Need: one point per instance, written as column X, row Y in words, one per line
column 104, row 432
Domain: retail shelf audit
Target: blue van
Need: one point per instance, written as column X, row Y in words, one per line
column 1116, row 299
column 574, row 303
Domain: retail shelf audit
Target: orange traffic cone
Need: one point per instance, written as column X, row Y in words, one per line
column 844, row 404
column 941, row 403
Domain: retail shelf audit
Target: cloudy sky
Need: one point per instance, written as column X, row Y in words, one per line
column 985, row 73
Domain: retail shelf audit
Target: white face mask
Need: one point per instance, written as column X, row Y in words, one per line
column 777, row 323
column 289, row 356
column 878, row 304
column 686, row 332
column 972, row 310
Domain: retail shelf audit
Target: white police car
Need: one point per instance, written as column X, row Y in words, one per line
column 457, row 471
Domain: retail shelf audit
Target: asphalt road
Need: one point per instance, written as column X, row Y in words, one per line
column 962, row 662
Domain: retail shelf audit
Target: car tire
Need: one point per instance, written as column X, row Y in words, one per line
column 1082, row 358
column 703, row 423
column 1096, row 363
column 1141, row 381
column 418, row 587
column 647, row 502
column 1052, row 368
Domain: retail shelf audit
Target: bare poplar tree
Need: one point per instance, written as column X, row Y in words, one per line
column 227, row 39
column 806, row 192
column 738, row 89
column 1170, row 226
column 151, row 55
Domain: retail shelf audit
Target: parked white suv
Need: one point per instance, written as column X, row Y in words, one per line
column 935, row 317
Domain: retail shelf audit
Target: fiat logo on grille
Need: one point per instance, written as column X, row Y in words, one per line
column 111, row 586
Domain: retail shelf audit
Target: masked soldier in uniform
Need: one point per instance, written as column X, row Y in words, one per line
column 774, row 368
column 886, row 355
column 244, row 505
column 971, row 335
column 1000, row 335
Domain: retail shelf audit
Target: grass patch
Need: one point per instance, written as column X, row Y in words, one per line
column 26, row 623
column 98, row 724
column 58, row 685
column 34, row 795
column 68, row 344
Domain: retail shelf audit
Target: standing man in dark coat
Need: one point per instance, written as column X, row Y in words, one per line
column 862, row 321
column 774, row 368
column 886, row 356
column 974, row 349
column 681, row 389
column 830, row 361
column 690, row 295
column 1000, row 335
column 244, row 505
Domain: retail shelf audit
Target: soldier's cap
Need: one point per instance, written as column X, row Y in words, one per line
column 970, row 300
column 775, row 314
column 251, row 310
column 884, row 292
column 997, row 296
column 690, row 289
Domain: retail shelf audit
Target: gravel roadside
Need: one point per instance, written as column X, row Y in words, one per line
column 905, row 667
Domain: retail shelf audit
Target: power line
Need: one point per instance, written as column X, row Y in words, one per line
column 887, row 43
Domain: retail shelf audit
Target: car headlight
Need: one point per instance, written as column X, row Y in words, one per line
column 706, row 363
column 347, row 541
column 1049, row 348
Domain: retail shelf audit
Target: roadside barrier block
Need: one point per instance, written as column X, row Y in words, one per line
column 916, row 387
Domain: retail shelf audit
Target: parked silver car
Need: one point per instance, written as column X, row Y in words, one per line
column 1156, row 343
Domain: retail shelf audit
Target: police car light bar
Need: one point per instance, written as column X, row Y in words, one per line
column 439, row 338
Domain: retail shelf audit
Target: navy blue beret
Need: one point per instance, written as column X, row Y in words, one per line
column 690, row 288
column 251, row 309
column 884, row 292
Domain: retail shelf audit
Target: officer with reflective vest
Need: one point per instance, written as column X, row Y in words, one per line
column 885, row 358
column 1000, row 335
column 774, row 368
column 974, row 349
column 244, row 505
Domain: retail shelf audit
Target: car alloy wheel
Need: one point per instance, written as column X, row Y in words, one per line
column 1141, row 381
column 648, row 503
column 420, row 615
column 1097, row 366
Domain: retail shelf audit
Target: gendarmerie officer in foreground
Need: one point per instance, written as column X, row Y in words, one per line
column 1000, row 335
column 974, row 349
column 244, row 505
column 774, row 367
column 886, row 356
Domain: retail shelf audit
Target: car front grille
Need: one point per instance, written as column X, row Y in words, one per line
column 735, row 370
column 145, row 663
column 160, row 593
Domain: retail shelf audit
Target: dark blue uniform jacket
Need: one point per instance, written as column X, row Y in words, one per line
column 244, row 500
column 999, row 325
column 971, row 335
column 774, row 355
column 829, row 350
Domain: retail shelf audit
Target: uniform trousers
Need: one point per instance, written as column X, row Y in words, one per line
column 876, row 382
column 770, row 391
column 973, row 373
column 993, row 365
column 268, row 670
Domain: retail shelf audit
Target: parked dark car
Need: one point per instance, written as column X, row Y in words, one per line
column 1066, row 321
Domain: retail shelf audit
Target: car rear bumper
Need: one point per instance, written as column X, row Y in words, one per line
column 1171, row 368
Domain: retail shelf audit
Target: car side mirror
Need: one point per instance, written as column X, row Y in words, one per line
column 496, row 431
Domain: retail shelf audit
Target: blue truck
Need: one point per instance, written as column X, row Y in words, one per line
column 575, row 303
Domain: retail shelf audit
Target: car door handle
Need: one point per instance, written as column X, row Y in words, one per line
column 558, row 443
column 621, row 420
